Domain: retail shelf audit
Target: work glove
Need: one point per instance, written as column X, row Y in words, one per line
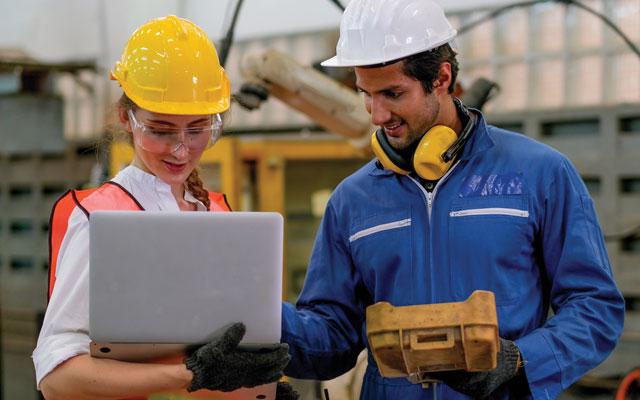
column 481, row 384
column 284, row 391
column 220, row 365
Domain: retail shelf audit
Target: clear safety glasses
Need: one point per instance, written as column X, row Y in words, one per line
column 158, row 138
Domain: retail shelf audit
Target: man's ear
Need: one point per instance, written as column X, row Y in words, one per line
column 441, row 84
column 124, row 119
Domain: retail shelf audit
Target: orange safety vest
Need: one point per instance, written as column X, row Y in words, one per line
column 110, row 196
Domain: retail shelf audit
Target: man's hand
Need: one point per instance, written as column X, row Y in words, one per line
column 481, row 384
column 220, row 365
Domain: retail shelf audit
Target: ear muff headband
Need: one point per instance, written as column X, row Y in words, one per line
column 435, row 151
column 464, row 135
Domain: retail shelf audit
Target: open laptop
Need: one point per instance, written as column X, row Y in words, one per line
column 162, row 281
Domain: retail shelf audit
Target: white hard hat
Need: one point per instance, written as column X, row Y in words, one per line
column 377, row 31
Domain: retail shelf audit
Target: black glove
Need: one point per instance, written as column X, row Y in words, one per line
column 220, row 365
column 284, row 391
column 481, row 384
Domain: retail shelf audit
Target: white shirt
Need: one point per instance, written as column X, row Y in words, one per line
column 65, row 330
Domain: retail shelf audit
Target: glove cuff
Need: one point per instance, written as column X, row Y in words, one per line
column 508, row 357
column 199, row 373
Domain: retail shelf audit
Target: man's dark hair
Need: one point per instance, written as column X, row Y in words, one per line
column 426, row 65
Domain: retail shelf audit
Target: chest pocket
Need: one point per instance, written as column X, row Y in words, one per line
column 381, row 249
column 491, row 246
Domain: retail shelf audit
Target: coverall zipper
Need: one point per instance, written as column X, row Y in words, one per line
column 430, row 196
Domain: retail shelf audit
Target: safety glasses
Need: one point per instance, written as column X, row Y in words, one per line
column 158, row 138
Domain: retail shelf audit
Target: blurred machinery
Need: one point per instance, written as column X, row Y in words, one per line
column 39, row 160
column 326, row 101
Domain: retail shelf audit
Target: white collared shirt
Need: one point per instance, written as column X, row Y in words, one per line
column 65, row 330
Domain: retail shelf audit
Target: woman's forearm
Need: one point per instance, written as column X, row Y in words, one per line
column 85, row 377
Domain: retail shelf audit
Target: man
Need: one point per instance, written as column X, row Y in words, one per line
column 492, row 210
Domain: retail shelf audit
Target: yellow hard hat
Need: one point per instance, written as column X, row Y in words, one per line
column 170, row 66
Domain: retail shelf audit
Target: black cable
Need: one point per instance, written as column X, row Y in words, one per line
column 498, row 11
column 338, row 4
column 607, row 21
column 228, row 39
column 494, row 13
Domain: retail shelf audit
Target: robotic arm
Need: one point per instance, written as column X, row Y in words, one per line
column 327, row 102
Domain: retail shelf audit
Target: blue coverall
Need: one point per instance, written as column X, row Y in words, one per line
column 512, row 216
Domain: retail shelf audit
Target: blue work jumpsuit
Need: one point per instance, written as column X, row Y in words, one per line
column 512, row 216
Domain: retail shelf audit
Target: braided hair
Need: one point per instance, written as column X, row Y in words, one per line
column 194, row 185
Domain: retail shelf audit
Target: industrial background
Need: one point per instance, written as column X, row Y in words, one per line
column 551, row 70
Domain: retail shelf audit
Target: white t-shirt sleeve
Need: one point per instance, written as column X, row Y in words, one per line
column 65, row 329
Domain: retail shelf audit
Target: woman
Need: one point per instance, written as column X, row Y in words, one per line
column 174, row 92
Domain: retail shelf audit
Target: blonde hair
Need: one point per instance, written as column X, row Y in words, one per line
column 193, row 183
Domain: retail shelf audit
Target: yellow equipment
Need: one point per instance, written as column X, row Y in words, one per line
column 435, row 337
column 170, row 66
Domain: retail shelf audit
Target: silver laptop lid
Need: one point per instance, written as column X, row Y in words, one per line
column 160, row 277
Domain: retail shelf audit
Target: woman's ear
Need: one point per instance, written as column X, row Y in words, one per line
column 124, row 119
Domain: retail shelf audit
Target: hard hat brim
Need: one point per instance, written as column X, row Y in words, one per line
column 182, row 109
column 336, row 61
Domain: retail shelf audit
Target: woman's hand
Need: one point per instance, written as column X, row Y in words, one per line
column 220, row 365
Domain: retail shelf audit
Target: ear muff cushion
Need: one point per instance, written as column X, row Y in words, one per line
column 390, row 155
column 427, row 159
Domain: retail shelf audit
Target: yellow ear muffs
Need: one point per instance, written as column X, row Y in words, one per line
column 434, row 153
column 427, row 158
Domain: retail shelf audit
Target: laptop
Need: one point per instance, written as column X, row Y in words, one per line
column 161, row 282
